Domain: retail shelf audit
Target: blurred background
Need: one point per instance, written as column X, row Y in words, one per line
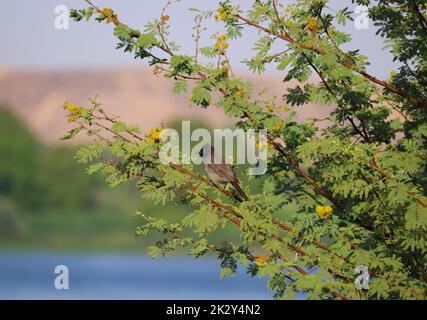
column 51, row 213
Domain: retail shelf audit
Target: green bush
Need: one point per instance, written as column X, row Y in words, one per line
column 30, row 171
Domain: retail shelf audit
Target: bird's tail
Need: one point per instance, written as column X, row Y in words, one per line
column 239, row 190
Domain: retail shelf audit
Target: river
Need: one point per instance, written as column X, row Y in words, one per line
column 31, row 275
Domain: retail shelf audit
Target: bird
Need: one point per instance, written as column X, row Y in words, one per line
column 220, row 172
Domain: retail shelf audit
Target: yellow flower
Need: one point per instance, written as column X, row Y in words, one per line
column 74, row 110
column 261, row 261
column 221, row 44
column 240, row 92
column 109, row 15
column 277, row 125
column 107, row 11
column 320, row 210
column 260, row 144
column 164, row 18
column 154, row 136
column 222, row 14
column 311, row 24
column 224, row 71
column 157, row 70
column 324, row 212
column 393, row 74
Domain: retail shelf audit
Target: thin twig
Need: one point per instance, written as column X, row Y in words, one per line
column 345, row 63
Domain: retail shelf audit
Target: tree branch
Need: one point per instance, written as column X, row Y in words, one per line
column 345, row 63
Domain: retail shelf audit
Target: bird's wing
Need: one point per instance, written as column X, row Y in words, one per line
column 221, row 168
column 226, row 171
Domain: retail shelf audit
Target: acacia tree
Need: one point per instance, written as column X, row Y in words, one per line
column 359, row 184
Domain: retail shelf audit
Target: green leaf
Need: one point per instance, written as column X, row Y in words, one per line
column 71, row 134
column 201, row 96
column 284, row 62
column 123, row 32
column 180, row 87
column 146, row 41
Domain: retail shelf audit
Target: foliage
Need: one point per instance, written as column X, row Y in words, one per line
column 359, row 185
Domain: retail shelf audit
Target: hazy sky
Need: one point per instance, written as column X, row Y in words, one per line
column 30, row 40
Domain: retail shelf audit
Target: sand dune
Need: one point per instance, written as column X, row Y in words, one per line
column 136, row 95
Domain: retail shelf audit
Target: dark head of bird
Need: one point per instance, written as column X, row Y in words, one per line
column 206, row 150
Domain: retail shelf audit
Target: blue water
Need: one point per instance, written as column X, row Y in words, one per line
column 122, row 276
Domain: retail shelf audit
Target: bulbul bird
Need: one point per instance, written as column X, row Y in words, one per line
column 220, row 172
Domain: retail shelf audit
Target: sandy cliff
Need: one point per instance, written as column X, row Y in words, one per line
column 136, row 95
